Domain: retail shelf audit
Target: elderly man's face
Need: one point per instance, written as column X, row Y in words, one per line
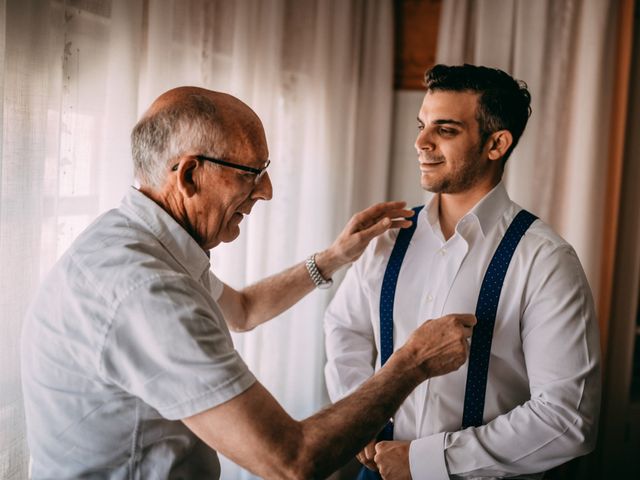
column 228, row 193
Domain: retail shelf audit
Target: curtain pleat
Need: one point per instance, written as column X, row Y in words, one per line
column 563, row 49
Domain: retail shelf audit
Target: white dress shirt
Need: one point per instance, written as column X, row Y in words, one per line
column 543, row 387
column 123, row 339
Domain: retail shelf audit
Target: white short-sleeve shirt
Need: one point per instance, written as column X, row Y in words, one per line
column 123, row 339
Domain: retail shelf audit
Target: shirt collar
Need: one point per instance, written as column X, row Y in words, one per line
column 491, row 207
column 485, row 213
column 170, row 233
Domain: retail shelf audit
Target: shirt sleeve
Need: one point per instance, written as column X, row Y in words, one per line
column 349, row 337
column 561, row 348
column 169, row 345
column 216, row 286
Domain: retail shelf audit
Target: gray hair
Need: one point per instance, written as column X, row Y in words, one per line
column 160, row 138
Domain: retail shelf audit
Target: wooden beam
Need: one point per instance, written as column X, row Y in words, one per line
column 416, row 37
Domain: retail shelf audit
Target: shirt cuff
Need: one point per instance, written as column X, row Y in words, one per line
column 426, row 458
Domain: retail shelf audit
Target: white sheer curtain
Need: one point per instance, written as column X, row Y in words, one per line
column 564, row 50
column 66, row 107
column 319, row 75
column 77, row 73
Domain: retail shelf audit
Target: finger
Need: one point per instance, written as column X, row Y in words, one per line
column 373, row 213
column 402, row 214
column 376, row 229
column 467, row 319
column 370, row 464
column 370, row 451
column 380, row 208
column 401, row 224
column 362, row 223
column 381, row 447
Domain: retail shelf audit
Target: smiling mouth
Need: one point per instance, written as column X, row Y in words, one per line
column 429, row 165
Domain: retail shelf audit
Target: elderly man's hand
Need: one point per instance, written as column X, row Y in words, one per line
column 392, row 459
column 365, row 457
column 439, row 346
column 366, row 225
column 359, row 231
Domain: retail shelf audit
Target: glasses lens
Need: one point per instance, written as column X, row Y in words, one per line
column 263, row 170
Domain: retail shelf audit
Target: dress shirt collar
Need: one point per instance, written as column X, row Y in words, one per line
column 491, row 207
column 485, row 213
column 172, row 235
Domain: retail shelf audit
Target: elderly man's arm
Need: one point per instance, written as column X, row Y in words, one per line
column 248, row 308
column 254, row 431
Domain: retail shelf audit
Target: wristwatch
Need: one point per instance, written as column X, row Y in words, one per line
column 318, row 280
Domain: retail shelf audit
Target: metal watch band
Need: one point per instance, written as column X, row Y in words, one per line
column 318, row 280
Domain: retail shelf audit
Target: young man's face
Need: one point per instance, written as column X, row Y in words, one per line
column 452, row 159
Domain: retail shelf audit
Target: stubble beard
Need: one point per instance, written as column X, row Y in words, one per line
column 460, row 180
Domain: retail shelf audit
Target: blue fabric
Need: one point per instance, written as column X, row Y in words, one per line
column 366, row 474
column 387, row 295
column 389, row 283
column 486, row 309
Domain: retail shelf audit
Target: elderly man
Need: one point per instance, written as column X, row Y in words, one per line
column 129, row 370
column 528, row 398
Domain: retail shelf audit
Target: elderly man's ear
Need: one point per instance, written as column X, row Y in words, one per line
column 185, row 176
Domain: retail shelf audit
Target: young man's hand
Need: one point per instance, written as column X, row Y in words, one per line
column 392, row 459
column 365, row 457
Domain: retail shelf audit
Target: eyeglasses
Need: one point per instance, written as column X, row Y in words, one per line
column 258, row 172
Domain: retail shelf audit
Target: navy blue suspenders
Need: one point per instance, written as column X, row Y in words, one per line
column 486, row 309
column 387, row 296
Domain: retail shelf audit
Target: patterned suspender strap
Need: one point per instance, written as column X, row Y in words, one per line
column 486, row 309
column 387, row 296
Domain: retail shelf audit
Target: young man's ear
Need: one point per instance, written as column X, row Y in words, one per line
column 185, row 175
column 498, row 144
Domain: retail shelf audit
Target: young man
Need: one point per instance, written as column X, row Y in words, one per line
column 528, row 399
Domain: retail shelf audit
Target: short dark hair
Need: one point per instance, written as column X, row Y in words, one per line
column 504, row 103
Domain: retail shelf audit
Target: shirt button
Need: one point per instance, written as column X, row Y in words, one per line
column 443, row 251
column 429, row 298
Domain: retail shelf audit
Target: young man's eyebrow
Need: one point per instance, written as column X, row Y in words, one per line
column 445, row 121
